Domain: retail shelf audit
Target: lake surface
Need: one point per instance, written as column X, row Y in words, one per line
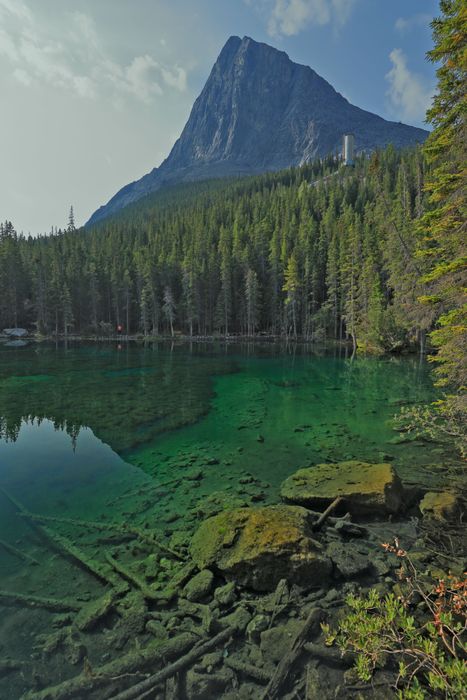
column 154, row 435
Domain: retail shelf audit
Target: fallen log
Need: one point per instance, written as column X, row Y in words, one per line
column 149, row 684
column 149, row 594
column 148, row 537
column 286, row 665
column 257, row 674
column 324, row 516
column 18, row 553
column 67, row 548
column 93, row 679
column 32, row 601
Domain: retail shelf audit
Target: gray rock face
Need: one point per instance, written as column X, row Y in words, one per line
column 261, row 112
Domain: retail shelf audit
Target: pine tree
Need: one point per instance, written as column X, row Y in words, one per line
column 292, row 288
column 168, row 308
column 71, row 221
column 251, row 301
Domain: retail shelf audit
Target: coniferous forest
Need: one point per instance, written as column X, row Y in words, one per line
column 321, row 252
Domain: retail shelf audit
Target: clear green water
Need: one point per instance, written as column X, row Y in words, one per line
column 90, row 431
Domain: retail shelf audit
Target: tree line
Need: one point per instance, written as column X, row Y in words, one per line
column 320, row 251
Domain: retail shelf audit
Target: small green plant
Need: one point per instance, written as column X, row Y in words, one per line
column 425, row 646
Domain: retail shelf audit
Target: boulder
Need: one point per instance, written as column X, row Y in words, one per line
column 367, row 489
column 257, row 547
column 441, row 505
column 276, row 642
column 348, row 561
column 199, row 586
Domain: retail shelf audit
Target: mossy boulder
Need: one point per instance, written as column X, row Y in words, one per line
column 366, row 489
column 442, row 505
column 257, row 547
column 199, row 586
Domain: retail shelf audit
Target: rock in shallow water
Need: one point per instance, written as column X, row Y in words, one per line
column 199, row 586
column 259, row 546
column 367, row 489
column 440, row 506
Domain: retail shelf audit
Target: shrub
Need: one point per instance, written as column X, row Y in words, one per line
column 423, row 645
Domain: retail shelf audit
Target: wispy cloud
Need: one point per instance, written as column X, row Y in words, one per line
column 408, row 95
column 405, row 24
column 72, row 57
column 290, row 17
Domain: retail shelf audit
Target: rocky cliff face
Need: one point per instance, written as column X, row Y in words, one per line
column 259, row 112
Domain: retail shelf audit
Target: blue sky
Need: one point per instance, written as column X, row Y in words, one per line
column 97, row 91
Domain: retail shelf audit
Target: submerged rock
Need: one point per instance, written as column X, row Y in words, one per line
column 199, row 586
column 347, row 560
column 259, row 546
column 225, row 595
column 367, row 489
column 440, row 505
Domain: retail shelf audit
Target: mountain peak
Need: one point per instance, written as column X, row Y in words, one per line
column 259, row 111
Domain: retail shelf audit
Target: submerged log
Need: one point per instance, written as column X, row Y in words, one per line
column 257, row 674
column 148, row 593
column 32, row 601
column 92, row 679
column 198, row 650
column 18, row 553
column 286, row 665
column 325, row 515
column 136, row 532
column 63, row 544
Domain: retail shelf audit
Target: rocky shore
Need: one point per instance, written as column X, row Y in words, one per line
column 231, row 604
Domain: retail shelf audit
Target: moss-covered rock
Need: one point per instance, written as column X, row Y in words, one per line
column 259, row 546
column 199, row 586
column 366, row 489
column 441, row 505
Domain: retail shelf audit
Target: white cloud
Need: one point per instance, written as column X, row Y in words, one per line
column 15, row 8
column 408, row 96
column 404, row 24
column 290, row 17
column 75, row 59
column 22, row 76
column 140, row 78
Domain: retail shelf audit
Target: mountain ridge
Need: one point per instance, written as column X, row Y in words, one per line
column 257, row 112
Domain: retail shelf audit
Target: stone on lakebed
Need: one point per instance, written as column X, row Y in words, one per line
column 367, row 489
column 257, row 547
column 441, row 505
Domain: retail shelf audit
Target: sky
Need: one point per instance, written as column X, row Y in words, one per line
column 94, row 93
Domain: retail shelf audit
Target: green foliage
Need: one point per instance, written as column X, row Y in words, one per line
column 426, row 651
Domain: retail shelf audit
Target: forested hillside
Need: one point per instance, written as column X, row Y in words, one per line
column 319, row 251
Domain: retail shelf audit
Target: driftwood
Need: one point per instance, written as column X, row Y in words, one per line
column 92, row 679
column 136, row 532
column 148, row 593
column 18, row 553
column 281, row 599
column 286, row 665
column 85, row 562
column 65, row 547
column 324, row 516
column 32, row 601
column 149, row 684
column 254, row 672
